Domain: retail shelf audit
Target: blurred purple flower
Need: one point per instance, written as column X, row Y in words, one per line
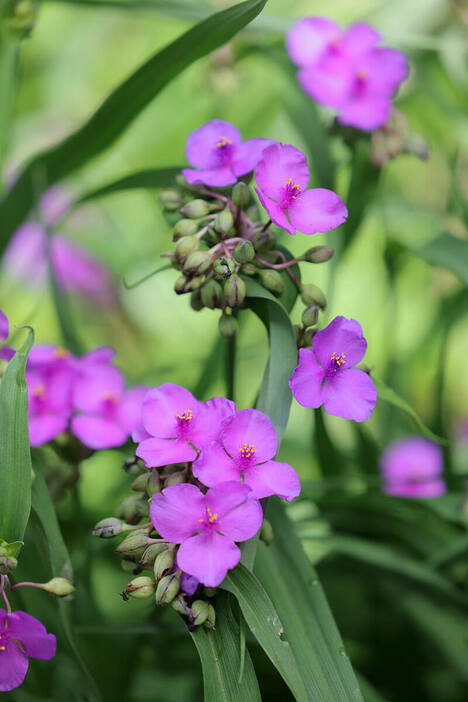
column 346, row 70
column 219, row 155
column 282, row 177
column 21, row 636
column 4, row 326
column 325, row 374
column 206, row 526
column 412, row 467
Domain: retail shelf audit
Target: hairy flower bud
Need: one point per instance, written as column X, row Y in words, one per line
column 153, row 483
column 186, row 246
column 180, row 605
column 308, row 337
column 211, row 237
column 7, row 564
column 134, row 466
column 249, row 269
column 271, row 280
column 228, row 326
column 241, row 195
column 141, row 587
column 196, row 302
column 175, row 478
column 129, row 509
column 197, row 263
column 211, row 618
column 128, row 565
column 134, row 544
column 150, row 554
column 224, row 267
column 212, row 294
column 184, row 227
column 263, row 240
column 180, row 285
column 266, row 532
column 139, row 484
column 224, row 221
column 310, row 316
column 318, row 254
column 312, row 295
column 60, row 587
column 244, row 252
column 168, row 588
column 170, row 198
column 234, row 291
column 195, row 209
column 200, row 611
column 107, row 528
column 163, row 563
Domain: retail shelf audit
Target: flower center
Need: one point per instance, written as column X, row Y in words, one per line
column 39, row 392
column 209, row 516
column 247, row 450
column 185, row 416
column 223, row 141
column 61, row 353
column 361, row 74
column 290, row 192
column 3, row 642
column 337, row 361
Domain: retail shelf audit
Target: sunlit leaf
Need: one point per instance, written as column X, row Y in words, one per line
column 447, row 251
column 151, row 178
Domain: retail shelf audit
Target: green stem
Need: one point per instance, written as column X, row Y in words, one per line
column 230, row 367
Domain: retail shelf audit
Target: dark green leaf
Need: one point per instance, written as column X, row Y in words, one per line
column 151, row 178
column 15, row 471
column 361, row 191
column 447, row 251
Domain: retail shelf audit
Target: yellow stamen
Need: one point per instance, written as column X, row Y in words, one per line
column 186, row 415
column 293, row 187
column 223, row 141
column 39, row 392
column 61, row 353
column 247, row 450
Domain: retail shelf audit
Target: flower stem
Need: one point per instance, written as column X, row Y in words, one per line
column 230, row 367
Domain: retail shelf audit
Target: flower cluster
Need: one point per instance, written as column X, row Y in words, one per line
column 347, row 70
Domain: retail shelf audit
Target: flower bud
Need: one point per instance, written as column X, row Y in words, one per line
column 318, row 254
column 211, row 618
column 150, row 554
column 195, row 209
column 186, row 246
column 253, row 213
column 210, row 591
column 312, row 295
column 134, row 466
column 180, row 605
column 212, row 294
column 163, row 563
column 197, row 263
column 211, row 237
column 180, row 285
column 139, row 484
column 308, row 337
column 244, row 252
column 271, row 280
column 128, row 565
column 7, row 563
column 234, row 291
column 228, row 326
column 184, row 227
column 142, row 507
column 175, row 478
column 298, row 331
column 263, row 240
column 140, row 588
column 168, row 588
column 170, row 198
column 310, row 316
column 153, row 483
column 196, row 302
column 129, row 510
column 107, row 528
column 241, row 195
column 266, row 532
column 224, row 221
column 60, row 587
column 134, row 544
column 200, row 611
column 224, row 267
column 249, row 269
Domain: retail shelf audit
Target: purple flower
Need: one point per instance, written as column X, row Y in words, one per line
column 21, row 636
column 282, row 177
column 412, row 467
column 346, row 70
column 178, row 424
column 4, row 326
column 218, row 154
column 206, row 526
column 247, row 444
column 325, row 374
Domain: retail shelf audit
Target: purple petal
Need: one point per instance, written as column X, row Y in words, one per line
column 201, row 149
column 103, row 354
column 214, row 177
column 53, row 205
column 366, row 113
column 330, row 83
column 157, row 452
column 13, row 667
column 46, row 426
column 98, row 384
column 188, row 584
column 140, row 434
column 248, row 154
column 350, row 394
column 384, row 70
column 341, row 336
column 214, row 415
column 4, row 326
column 239, row 515
column 317, row 210
column 176, row 513
column 208, row 557
column 273, row 478
column 7, row 353
column 161, row 407
column 250, row 426
column 25, row 257
column 226, row 498
column 32, row 634
column 424, row 490
column 214, row 466
column 276, row 213
column 358, row 39
column 414, row 458
column 307, row 379
column 309, row 38
column 97, row 432
column 130, row 415
column 279, row 164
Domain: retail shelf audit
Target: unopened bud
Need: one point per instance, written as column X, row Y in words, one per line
column 192, row 285
column 139, row 484
column 210, row 591
column 297, row 332
column 168, row 588
column 211, row 237
column 195, row 209
column 241, row 195
column 180, row 605
column 244, row 252
column 129, row 509
column 197, row 263
column 310, row 316
column 150, row 554
column 196, row 302
column 271, row 280
column 186, row 246
column 175, row 478
column 212, row 294
column 224, row 267
column 415, row 144
column 7, row 564
column 200, row 611
column 211, row 618
column 263, row 240
column 308, row 337
column 163, row 563
column 107, row 528
column 249, row 269
column 228, row 326
column 60, row 587
column 312, row 295
column 134, row 466
column 266, row 532
column 253, row 213
column 170, row 198
column 224, row 221
column 234, row 291
column 134, row 544
column 184, row 227
column 140, row 588
column 318, row 254
column 179, row 285
column 153, row 483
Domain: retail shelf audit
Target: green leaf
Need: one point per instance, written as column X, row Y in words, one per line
column 265, row 625
column 151, row 178
column 389, row 395
column 221, row 653
column 117, row 112
column 447, row 251
column 294, row 589
column 362, row 189
column 15, row 472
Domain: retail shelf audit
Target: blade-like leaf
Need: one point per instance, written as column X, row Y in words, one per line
column 151, row 178
column 447, row 251
column 119, row 110
column 15, row 471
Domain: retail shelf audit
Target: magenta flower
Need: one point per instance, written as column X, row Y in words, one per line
column 245, row 450
column 325, row 374
column 219, row 155
column 21, row 636
column 412, row 467
column 6, row 353
column 206, row 526
column 282, row 177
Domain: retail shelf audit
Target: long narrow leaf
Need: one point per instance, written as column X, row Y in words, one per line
column 151, row 178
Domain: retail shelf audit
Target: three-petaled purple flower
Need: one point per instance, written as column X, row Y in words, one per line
column 412, row 467
column 282, row 177
column 206, row 526
column 346, row 70
column 219, row 155
column 244, row 452
column 325, row 374
column 21, row 636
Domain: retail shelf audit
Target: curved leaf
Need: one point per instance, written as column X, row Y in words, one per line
column 447, row 251
column 151, row 178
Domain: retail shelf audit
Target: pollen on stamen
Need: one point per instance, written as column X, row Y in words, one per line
column 185, row 415
column 247, row 450
column 223, row 141
column 338, row 359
